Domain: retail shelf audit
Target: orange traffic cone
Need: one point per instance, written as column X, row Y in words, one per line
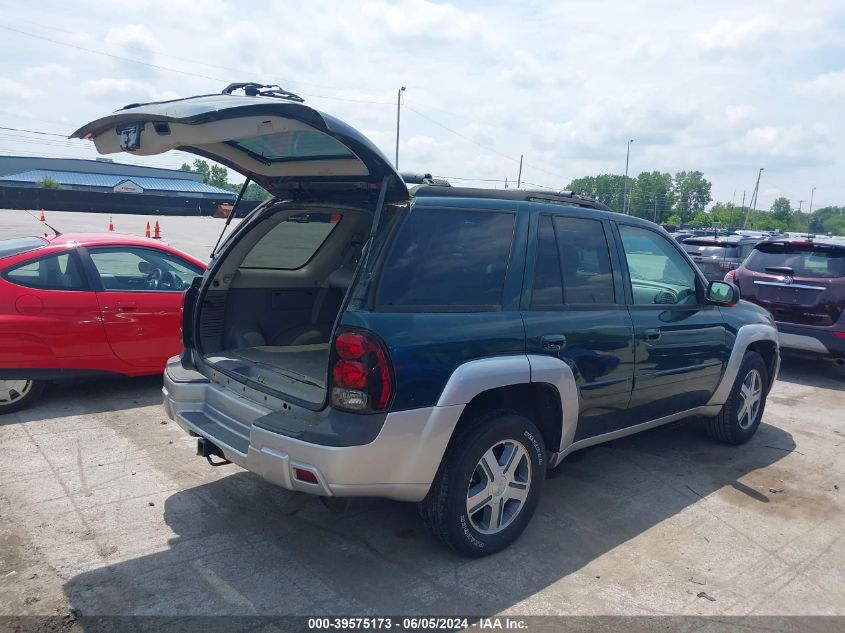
column 111, row 224
column 157, row 233
column 147, row 234
column 42, row 216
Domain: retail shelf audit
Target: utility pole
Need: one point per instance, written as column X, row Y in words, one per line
column 519, row 178
column 733, row 197
column 754, row 197
column 398, row 110
column 743, row 199
column 800, row 203
column 812, row 193
column 655, row 208
column 625, row 188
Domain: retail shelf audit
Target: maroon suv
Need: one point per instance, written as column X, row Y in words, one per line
column 802, row 283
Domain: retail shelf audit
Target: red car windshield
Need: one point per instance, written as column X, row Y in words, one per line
column 20, row 245
column 805, row 259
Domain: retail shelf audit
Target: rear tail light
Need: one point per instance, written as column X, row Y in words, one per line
column 361, row 377
column 839, row 334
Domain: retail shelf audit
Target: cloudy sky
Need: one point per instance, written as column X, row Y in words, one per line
column 723, row 87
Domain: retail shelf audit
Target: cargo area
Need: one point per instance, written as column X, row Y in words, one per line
column 267, row 319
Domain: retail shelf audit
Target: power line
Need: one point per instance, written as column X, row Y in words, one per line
column 15, row 129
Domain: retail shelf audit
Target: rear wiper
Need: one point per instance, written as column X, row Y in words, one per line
column 231, row 215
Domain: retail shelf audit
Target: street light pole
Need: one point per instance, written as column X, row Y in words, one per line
column 625, row 188
column 398, row 110
column 812, row 193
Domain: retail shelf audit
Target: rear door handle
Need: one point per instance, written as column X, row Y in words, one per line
column 652, row 336
column 553, row 342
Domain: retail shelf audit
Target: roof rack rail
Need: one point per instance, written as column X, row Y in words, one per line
column 423, row 179
column 526, row 195
column 253, row 89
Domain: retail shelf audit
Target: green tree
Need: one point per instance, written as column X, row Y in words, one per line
column 651, row 196
column 203, row 168
column 692, row 193
column 606, row 188
column 782, row 210
column 185, row 167
column 48, row 183
column 255, row 192
column 828, row 220
column 218, row 177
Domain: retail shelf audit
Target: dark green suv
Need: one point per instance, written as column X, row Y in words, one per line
column 437, row 345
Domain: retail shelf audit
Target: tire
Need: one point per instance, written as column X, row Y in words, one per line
column 736, row 423
column 19, row 394
column 473, row 466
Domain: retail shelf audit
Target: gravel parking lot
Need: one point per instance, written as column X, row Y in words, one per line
column 104, row 510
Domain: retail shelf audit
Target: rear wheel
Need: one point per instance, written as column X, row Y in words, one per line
column 488, row 485
column 739, row 418
column 18, row 394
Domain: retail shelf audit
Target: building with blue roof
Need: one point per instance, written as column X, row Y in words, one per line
column 105, row 176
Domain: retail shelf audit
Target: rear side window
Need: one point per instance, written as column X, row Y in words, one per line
column 20, row 245
column 291, row 244
column 448, row 260
column 573, row 264
column 806, row 260
column 54, row 272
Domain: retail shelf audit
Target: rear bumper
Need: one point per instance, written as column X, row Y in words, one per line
column 810, row 340
column 400, row 463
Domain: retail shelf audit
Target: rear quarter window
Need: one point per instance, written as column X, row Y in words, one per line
column 20, row 245
column 447, row 260
column 291, row 244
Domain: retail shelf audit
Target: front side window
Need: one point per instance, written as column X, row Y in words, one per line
column 54, row 272
column 291, row 244
column 448, row 260
column 142, row 269
column 659, row 273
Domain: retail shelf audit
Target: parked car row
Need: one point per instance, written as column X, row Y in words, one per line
column 801, row 282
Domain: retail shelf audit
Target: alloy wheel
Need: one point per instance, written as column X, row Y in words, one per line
column 750, row 398
column 499, row 486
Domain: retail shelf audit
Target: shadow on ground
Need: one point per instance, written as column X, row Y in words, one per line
column 90, row 395
column 812, row 372
column 245, row 547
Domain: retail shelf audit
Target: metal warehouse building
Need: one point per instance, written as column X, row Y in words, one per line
column 105, row 186
column 104, row 175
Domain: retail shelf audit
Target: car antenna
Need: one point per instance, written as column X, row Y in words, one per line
column 231, row 215
column 56, row 231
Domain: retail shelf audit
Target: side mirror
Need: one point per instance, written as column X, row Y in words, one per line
column 722, row 293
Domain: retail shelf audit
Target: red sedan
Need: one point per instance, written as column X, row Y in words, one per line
column 87, row 304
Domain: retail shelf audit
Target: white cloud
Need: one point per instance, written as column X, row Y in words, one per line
column 127, row 89
column 10, row 89
column 721, row 86
column 827, row 85
column 48, row 72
